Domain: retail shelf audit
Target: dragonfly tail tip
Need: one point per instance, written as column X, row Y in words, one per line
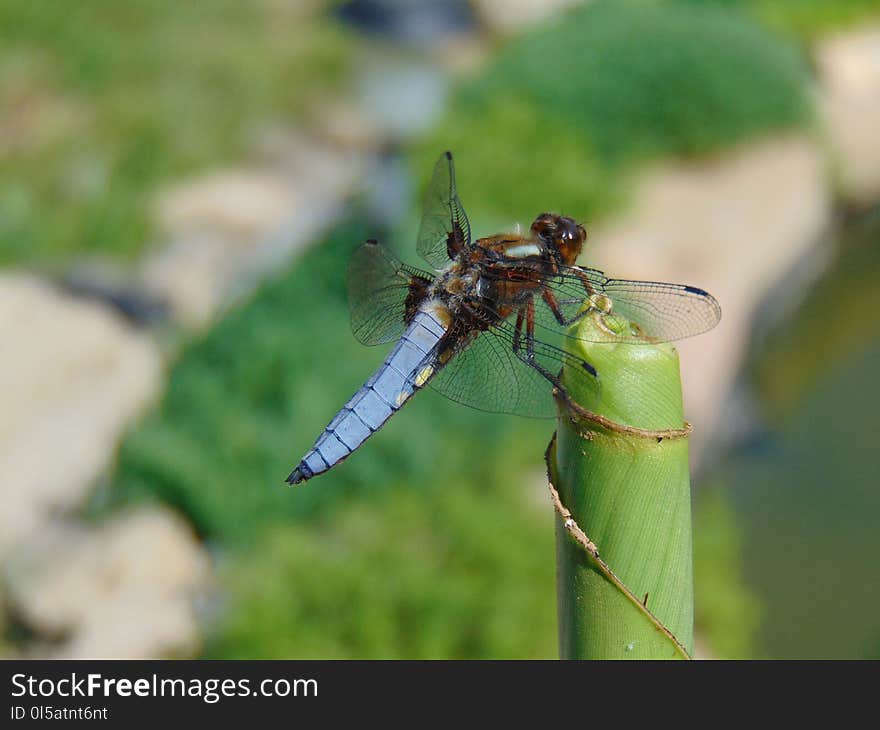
column 297, row 476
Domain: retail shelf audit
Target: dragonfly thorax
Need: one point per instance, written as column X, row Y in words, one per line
column 486, row 284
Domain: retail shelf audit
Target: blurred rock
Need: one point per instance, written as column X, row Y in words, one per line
column 111, row 284
column 388, row 199
column 399, row 94
column 509, row 16
column 465, row 55
column 737, row 226
column 192, row 274
column 125, row 590
column 229, row 230
column 342, row 122
column 248, row 203
column 849, row 73
column 72, row 378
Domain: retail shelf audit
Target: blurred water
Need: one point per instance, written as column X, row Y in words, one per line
column 808, row 498
column 417, row 23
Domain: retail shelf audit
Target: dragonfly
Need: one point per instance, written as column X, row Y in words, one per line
column 476, row 327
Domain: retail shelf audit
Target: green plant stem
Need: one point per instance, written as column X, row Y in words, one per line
column 623, row 475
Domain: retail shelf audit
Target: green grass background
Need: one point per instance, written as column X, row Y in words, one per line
column 436, row 539
column 105, row 101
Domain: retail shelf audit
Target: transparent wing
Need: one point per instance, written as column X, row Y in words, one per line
column 489, row 376
column 664, row 312
column 378, row 285
column 444, row 223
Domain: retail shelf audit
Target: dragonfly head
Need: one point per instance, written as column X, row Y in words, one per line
column 562, row 235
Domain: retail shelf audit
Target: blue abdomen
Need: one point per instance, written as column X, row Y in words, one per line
column 408, row 368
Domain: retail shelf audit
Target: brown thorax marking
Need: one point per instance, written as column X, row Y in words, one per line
column 506, row 269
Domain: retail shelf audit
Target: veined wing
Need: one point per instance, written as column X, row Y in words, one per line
column 663, row 311
column 489, row 376
column 378, row 285
column 445, row 225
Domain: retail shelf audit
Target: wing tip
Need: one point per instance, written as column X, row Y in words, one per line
column 696, row 290
column 711, row 300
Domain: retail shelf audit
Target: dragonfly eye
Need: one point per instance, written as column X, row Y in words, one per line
column 562, row 236
column 569, row 230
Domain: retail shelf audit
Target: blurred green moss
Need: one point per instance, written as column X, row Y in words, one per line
column 804, row 19
column 727, row 613
column 456, row 573
column 564, row 112
column 103, row 101
column 808, row 19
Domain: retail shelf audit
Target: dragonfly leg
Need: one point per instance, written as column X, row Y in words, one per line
column 517, row 332
column 455, row 240
column 552, row 302
column 530, row 329
column 585, row 280
column 527, row 313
